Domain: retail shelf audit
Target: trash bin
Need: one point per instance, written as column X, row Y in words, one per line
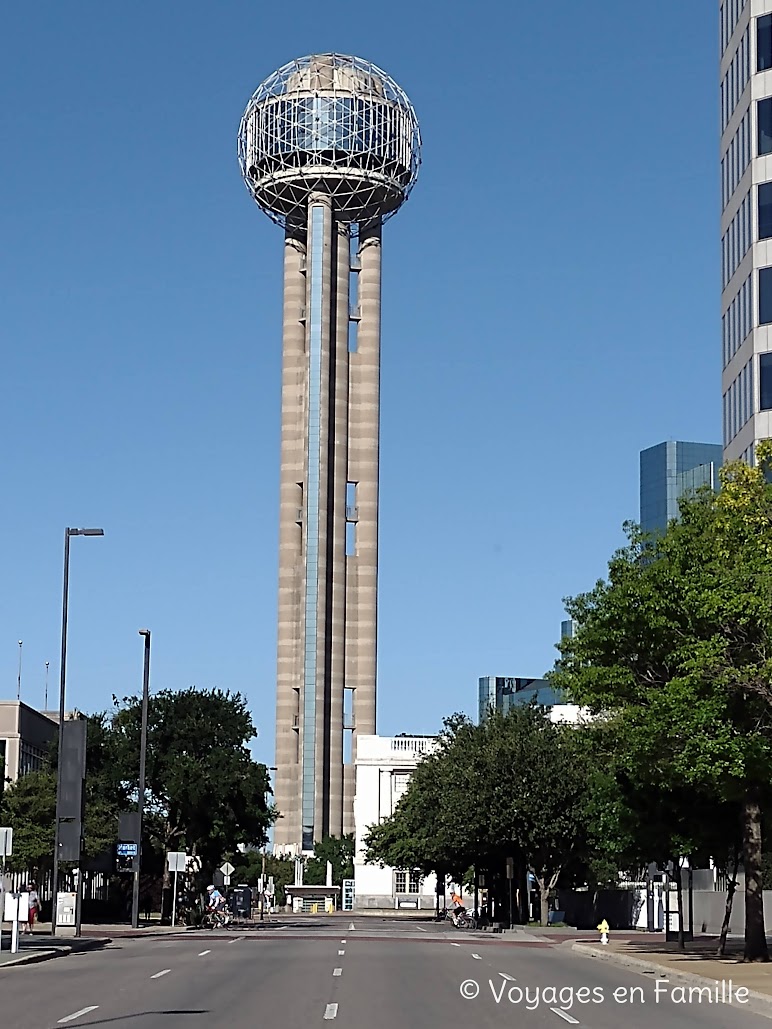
column 241, row 902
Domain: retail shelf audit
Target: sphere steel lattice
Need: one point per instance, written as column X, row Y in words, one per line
column 331, row 124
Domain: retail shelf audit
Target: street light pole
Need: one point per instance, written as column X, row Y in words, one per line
column 142, row 757
column 18, row 681
column 272, row 768
column 62, row 680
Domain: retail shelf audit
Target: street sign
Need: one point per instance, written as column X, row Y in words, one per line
column 510, row 868
column 226, row 879
column 227, row 869
column 176, row 860
column 123, row 849
column 348, row 895
column 6, row 843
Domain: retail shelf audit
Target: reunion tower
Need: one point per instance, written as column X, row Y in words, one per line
column 329, row 147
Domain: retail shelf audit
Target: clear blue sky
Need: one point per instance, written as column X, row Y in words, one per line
column 551, row 307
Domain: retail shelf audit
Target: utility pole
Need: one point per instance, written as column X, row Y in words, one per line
column 262, row 890
column 141, row 797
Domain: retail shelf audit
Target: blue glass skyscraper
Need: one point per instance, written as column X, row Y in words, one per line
column 670, row 470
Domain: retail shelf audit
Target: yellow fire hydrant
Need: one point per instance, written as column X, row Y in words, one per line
column 603, row 930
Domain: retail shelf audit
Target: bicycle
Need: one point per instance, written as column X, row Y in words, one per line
column 463, row 921
column 215, row 920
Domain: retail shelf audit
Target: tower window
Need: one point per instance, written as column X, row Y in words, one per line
column 764, row 114
column 765, row 296
column 765, row 382
column 765, row 210
column 764, row 43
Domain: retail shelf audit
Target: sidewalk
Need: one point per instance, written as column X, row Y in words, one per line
column 697, row 965
column 37, row 947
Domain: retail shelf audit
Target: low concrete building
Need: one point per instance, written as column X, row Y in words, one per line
column 384, row 765
column 25, row 736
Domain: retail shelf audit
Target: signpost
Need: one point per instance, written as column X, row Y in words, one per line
column 6, row 845
column 14, row 905
column 176, row 860
column 510, row 877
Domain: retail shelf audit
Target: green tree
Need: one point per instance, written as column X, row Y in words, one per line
column 674, row 646
column 339, row 851
column 29, row 805
column 205, row 793
column 515, row 786
column 249, row 868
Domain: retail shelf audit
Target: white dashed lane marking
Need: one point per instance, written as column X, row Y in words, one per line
column 164, row 971
column 204, row 953
column 565, row 1015
column 341, row 953
column 331, row 1011
column 77, row 1014
column 337, row 971
column 509, row 978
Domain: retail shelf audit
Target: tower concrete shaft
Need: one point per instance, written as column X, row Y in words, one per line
column 328, row 545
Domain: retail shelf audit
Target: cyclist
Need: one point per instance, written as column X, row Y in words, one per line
column 216, row 903
column 458, row 906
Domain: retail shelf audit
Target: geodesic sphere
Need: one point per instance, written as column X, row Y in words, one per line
column 330, row 124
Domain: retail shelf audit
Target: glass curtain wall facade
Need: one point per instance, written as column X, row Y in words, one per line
column 745, row 32
column 670, row 470
column 500, row 693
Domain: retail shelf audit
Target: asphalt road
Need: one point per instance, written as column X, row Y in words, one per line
column 373, row 977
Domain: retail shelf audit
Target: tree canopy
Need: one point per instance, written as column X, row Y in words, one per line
column 674, row 647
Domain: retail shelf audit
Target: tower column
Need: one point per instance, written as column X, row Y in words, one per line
column 362, row 566
column 339, row 443
column 290, row 609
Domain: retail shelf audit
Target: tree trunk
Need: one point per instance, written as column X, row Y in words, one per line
column 544, row 899
column 730, row 891
column 755, row 933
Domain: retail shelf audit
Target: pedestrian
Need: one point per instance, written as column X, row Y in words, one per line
column 34, row 906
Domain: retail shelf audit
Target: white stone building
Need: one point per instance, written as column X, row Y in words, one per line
column 746, row 223
column 384, row 765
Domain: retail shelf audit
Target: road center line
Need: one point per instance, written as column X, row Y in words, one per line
column 204, row 953
column 164, row 971
column 509, row 978
column 565, row 1015
column 77, row 1014
column 331, row 1011
column 337, row 971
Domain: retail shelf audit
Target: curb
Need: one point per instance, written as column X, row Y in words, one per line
column 762, row 1002
column 36, row 957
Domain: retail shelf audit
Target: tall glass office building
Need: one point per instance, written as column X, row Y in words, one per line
column 500, row 693
column 670, row 470
column 746, row 223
